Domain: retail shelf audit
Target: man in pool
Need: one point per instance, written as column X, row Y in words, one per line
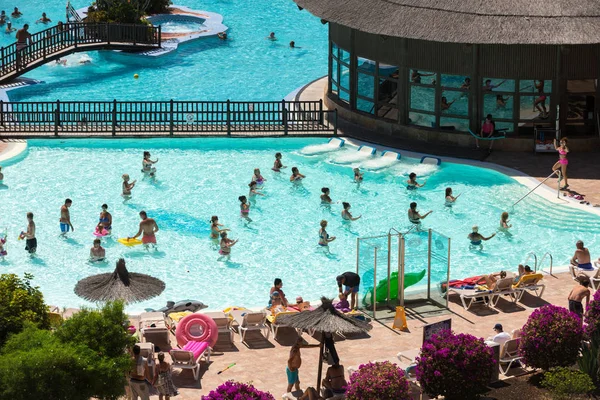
column 29, row 236
column 148, row 228
column 271, row 36
column 65, row 217
column 97, row 252
column 351, row 281
column 581, row 259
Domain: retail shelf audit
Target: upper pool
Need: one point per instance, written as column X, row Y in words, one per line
column 198, row 178
column 245, row 67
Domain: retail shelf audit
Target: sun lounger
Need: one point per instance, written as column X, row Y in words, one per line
column 504, row 287
column 530, row 283
column 250, row 321
column 275, row 325
column 223, row 323
column 190, row 356
column 593, row 275
column 509, row 354
column 468, row 297
column 153, row 324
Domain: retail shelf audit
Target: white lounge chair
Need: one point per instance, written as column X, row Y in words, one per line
column 468, row 297
column 153, row 323
column 250, row 321
column 593, row 275
column 509, row 354
column 504, row 287
column 186, row 359
column 223, row 323
column 530, row 283
column 275, row 324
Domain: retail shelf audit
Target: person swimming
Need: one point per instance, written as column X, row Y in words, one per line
column 105, row 220
column 253, row 192
column 324, row 238
column 257, row 177
column 296, row 175
column 215, row 231
column 325, row 199
column 97, row 252
column 412, row 184
column 244, row 207
column 346, row 213
column 147, row 164
column 271, row 36
column 414, row 216
column 450, row 200
column 358, row 176
column 277, row 165
column 3, row 252
column 127, row 186
column 504, row 221
column 226, row 244
column 477, row 239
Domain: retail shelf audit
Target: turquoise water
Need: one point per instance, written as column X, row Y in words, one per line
column 245, row 67
column 204, row 177
column 178, row 24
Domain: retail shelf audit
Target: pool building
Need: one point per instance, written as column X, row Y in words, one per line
column 432, row 70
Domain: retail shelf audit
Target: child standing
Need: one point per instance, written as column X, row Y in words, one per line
column 294, row 363
column 163, row 380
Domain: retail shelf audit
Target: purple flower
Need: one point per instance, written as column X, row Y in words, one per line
column 231, row 390
column 380, row 380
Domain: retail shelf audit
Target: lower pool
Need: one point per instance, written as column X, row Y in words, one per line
column 198, row 178
column 177, row 24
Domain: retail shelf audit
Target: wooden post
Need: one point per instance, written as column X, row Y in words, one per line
column 1, row 112
column 171, row 122
column 56, row 117
column 228, row 117
column 320, row 373
column 114, row 117
column 320, row 111
column 284, row 117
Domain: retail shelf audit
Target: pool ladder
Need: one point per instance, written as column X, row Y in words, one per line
column 539, row 264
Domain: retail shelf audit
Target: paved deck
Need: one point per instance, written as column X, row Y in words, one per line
column 263, row 361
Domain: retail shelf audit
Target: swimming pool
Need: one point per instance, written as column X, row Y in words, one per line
column 245, row 67
column 198, row 178
column 177, row 24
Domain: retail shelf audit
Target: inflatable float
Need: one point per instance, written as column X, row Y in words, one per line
column 182, row 305
column 129, row 242
column 410, row 278
column 101, row 233
column 197, row 328
column 466, row 283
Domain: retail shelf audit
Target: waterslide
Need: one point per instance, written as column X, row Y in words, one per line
column 334, row 144
column 410, row 278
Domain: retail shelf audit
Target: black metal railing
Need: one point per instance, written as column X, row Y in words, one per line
column 72, row 13
column 73, row 36
column 163, row 118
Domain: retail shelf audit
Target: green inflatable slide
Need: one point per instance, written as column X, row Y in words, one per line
column 410, row 278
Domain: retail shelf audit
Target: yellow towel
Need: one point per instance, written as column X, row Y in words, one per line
column 176, row 316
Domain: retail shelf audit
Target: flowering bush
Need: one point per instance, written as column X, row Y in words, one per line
column 592, row 318
column 551, row 338
column 380, row 380
column 231, row 390
column 455, row 366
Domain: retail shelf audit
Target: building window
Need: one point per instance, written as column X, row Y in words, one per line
column 454, row 102
column 340, row 73
column 581, row 100
column 498, row 97
column 422, row 98
column 365, row 99
column 387, row 95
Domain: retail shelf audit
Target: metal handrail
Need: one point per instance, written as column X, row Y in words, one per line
column 529, row 255
column 531, row 191
column 71, row 12
column 547, row 254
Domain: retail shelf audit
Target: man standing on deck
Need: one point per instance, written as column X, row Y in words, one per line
column 351, row 281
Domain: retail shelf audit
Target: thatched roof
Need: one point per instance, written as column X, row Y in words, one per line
column 130, row 287
column 324, row 319
column 468, row 21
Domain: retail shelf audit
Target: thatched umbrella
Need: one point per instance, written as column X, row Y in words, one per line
column 123, row 285
column 325, row 320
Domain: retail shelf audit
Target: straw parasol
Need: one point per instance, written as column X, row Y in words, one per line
column 123, row 285
column 326, row 320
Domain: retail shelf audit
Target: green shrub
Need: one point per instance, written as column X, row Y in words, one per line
column 158, row 6
column 563, row 382
column 20, row 302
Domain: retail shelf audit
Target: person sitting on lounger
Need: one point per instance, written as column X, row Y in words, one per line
column 476, row 238
column 491, row 280
column 500, row 337
column 581, row 259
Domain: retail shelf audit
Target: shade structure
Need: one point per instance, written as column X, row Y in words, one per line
column 119, row 285
column 325, row 320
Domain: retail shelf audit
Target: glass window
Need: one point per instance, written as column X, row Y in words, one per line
column 506, row 127
column 500, row 106
column 365, row 106
column 458, row 124
column 388, row 71
column 388, row 111
column 455, row 103
column 535, row 86
column 421, row 119
column 335, row 50
column 422, row 98
column 344, row 77
column 334, row 88
column 534, row 107
column 388, row 90
column 344, row 95
column 422, row 77
column 334, row 70
column 344, row 56
column 580, row 115
column 498, row 85
column 366, row 65
column 366, row 85
column 456, row 81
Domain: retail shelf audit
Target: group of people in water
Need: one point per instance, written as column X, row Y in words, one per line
column 271, row 37
column 17, row 14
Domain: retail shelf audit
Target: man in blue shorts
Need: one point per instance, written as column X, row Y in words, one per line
column 65, row 217
column 351, row 281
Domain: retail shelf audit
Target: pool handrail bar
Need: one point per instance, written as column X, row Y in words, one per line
column 529, row 255
column 540, row 184
column 546, row 254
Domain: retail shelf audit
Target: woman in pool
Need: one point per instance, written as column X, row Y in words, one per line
column 561, row 164
column 253, row 192
column 450, row 200
column 476, row 238
column 358, row 176
column 414, row 216
column 244, row 207
column 127, row 186
column 147, row 164
column 296, row 175
column 257, row 177
column 226, row 244
column 105, row 220
column 324, row 238
column 504, row 222
column 346, row 213
column 215, row 231
column 412, row 184
column 325, row 199
column 277, row 165
column 97, row 252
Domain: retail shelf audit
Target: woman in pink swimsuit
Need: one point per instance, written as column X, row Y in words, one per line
column 487, row 129
column 562, row 161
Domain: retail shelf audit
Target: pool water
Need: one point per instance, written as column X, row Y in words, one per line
column 179, row 25
column 245, row 67
column 198, row 178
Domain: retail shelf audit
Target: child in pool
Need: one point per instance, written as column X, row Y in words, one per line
column 358, row 176
column 244, row 206
column 215, row 231
column 504, row 221
column 296, row 175
column 257, row 177
column 226, row 244
column 127, row 186
column 97, row 252
column 412, row 184
column 253, row 191
column 325, row 199
column 277, row 165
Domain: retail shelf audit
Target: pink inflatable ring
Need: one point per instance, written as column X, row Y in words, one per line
column 198, row 328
